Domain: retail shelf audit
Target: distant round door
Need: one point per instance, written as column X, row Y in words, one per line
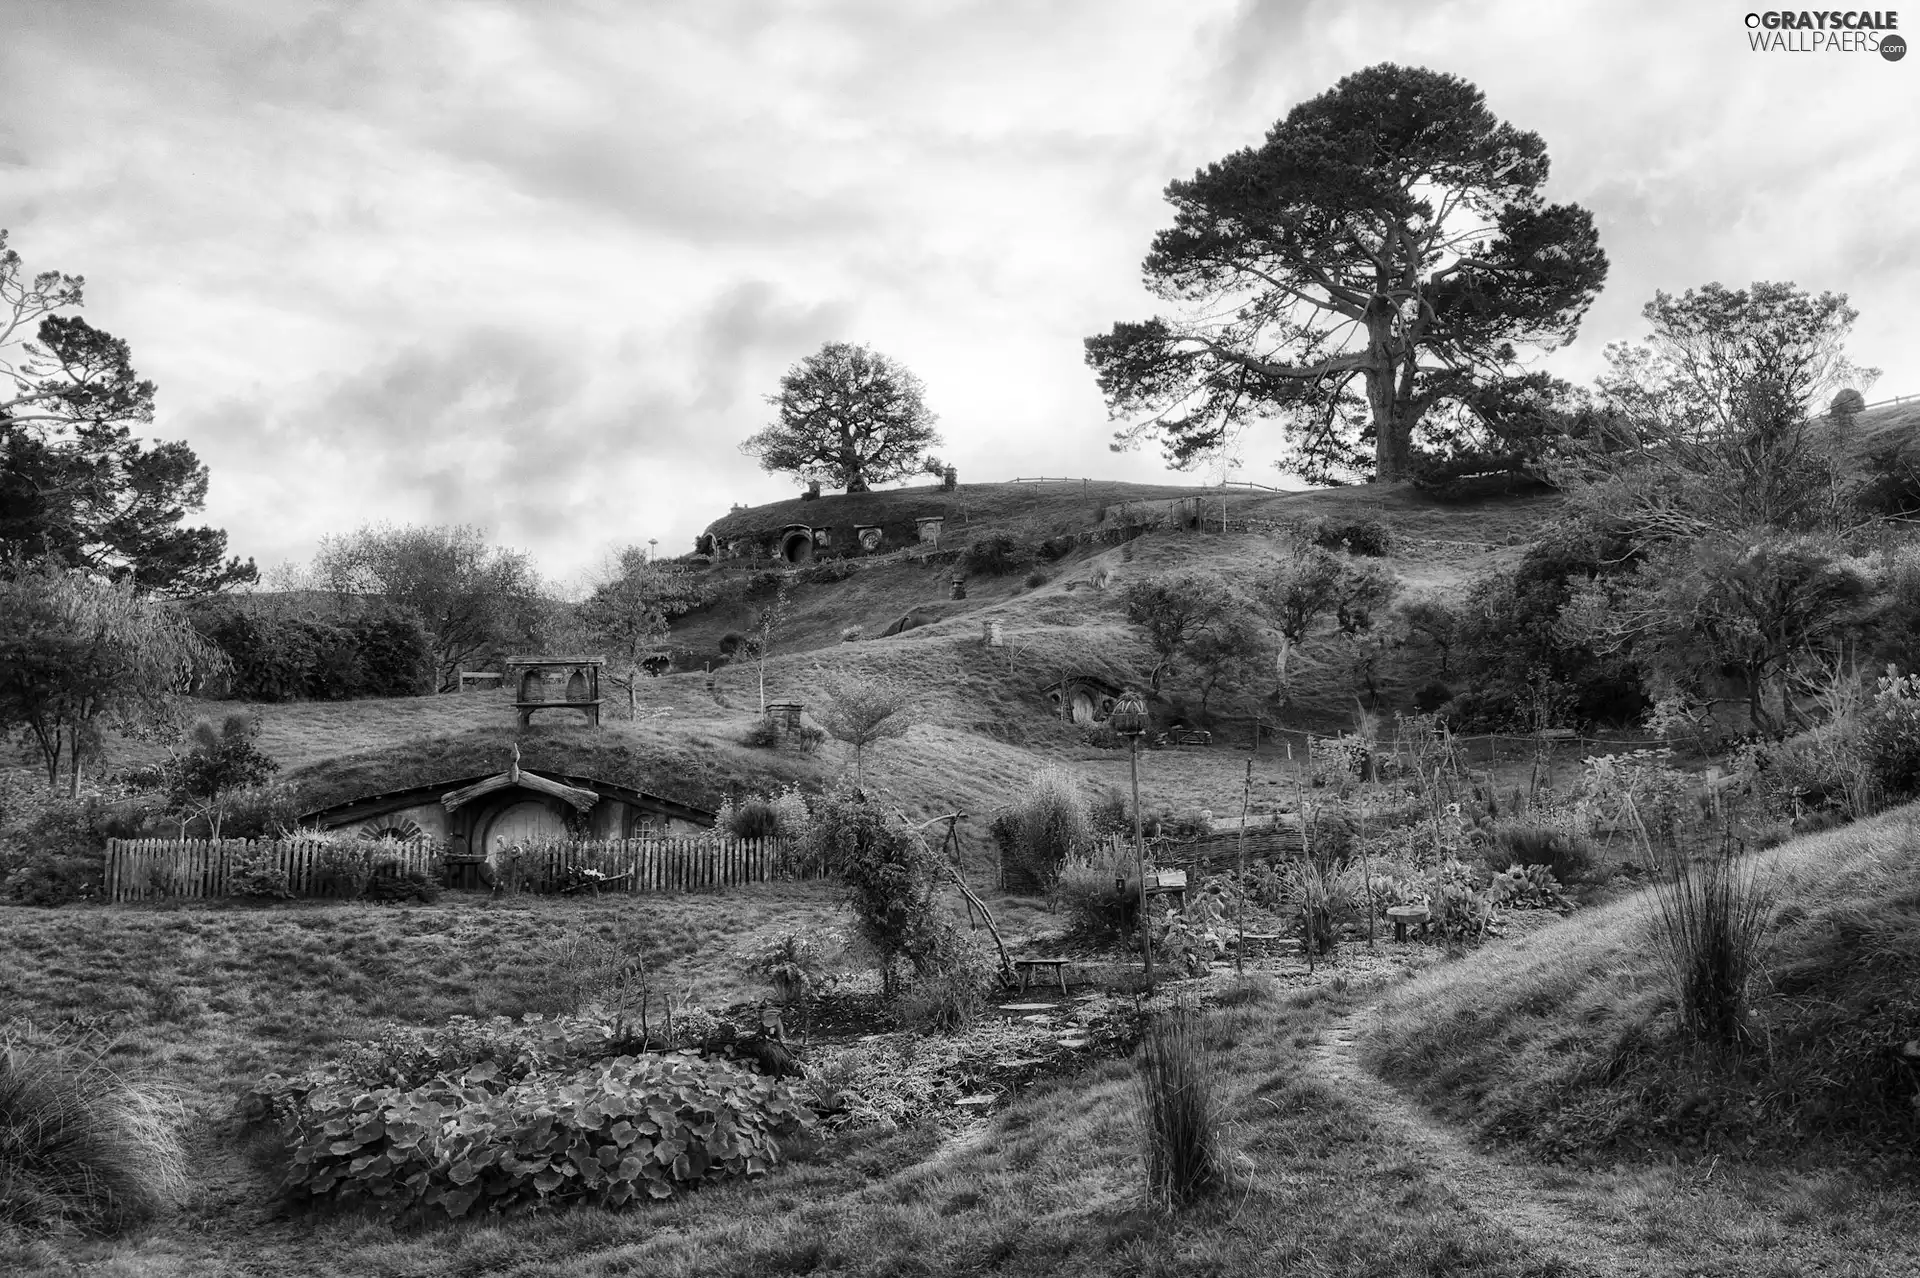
column 528, row 821
column 1082, row 706
column 577, row 687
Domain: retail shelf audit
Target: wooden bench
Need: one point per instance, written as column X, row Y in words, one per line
column 1027, row 966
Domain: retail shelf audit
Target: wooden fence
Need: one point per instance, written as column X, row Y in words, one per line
column 191, row 869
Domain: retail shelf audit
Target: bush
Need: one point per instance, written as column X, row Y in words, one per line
column 1527, row 887
column 1367, row 537
column 631, row 1130
column 763, row 735
column 343, row 868
column 390, row 885
column 807, row 738
column 795, row 961
column 52, row 848
column 1460, row 911
column 1049, row 824
column 256, row 873
column 1565, row 855
column 890, row 875
column 381, row 652
column 997, row 555
column 954, row 992
column 81, row 1147
column 1708, row 925
column 1890, row 734
column 753, row 819
column 827, row 571
column 1095, row 909
column 1037, row 579
column 1428, row 698
column 1175, row 1093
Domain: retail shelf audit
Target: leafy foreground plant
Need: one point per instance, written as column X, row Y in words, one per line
column 80, row 1146
column 1175, row 1092
column 635, row 1128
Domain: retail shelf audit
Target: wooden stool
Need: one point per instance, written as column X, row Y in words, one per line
column 1026, row 967
column 1405, row 914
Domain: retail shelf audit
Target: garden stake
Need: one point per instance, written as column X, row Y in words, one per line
column 1246, row 798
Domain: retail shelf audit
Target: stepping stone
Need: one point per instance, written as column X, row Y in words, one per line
column 1027, row 1007
column 1074, row 1044
column 973, row 1102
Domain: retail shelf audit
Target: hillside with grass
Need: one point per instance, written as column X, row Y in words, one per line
column 1577, row 1047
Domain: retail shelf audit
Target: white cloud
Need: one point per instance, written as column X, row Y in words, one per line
column 534, row 266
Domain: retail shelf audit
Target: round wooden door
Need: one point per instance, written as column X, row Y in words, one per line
column 523, row 822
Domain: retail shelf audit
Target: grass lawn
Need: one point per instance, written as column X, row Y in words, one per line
column 1329, row 1174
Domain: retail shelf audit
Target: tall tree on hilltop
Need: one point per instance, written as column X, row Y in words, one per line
column 849, row 417
column 74, row 482
column 1371, row 264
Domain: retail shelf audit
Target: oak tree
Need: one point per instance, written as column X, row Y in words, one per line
column 849, row 417
column 1373, row 265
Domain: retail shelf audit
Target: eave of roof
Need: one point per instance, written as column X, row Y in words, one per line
column 392, row 800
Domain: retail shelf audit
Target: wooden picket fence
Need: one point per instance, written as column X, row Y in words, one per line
column 191, row 869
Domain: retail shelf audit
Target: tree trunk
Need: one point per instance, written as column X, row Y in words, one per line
column 73, row 769
column 1391, row 403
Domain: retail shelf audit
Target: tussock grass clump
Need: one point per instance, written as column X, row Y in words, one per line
column 1174, row 1088
column 1711, row 916
column 81, row 1147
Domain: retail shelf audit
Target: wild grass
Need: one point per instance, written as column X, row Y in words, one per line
column 81, row 1147
column 1174, row 1089
column 1712, row 916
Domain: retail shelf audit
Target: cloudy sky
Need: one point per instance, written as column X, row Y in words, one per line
column 534, row 266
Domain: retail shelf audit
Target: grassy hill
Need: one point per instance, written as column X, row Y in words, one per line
column 1573, row 1049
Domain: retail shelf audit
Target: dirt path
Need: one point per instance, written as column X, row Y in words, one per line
column 1550, row 1222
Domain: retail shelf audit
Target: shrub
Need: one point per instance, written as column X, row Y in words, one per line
column 1890, row 734
column 1175, row 1090
column 763, row 735
column 80, row 1146
column 807, row 738
column 753, row 819
column 853, row 634
column 827, row 571
column 1101, row 736
column 268, row 811
column 795, row 961
column 1565, row 855
column 633, row 1129
column 1460, row 911
column 1036, row 579
column 890, row 876
column 1367, row 537
column 1709, row 921
column 997, row 555
column 1095, row 910
column 344, row 868
column 255, row 872
column 1428, row 698
column 1050, row 825
column 52, row 848
column 1527, row 887
column 390, row 885
column 954, row 991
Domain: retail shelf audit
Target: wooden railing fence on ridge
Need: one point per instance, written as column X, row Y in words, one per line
column 194, row 869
